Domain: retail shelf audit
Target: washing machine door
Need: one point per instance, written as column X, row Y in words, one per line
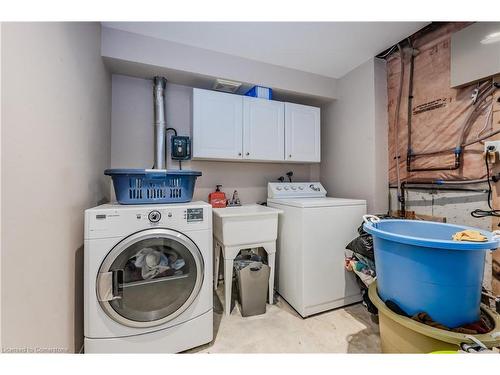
column 150, row 278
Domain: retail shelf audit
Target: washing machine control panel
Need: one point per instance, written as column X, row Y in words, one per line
column 295, row 190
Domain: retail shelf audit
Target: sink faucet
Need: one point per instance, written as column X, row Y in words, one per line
column 235, row 200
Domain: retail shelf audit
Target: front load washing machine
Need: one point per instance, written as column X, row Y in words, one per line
column 148, row 278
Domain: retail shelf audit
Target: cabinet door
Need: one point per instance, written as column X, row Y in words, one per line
column 302, row 133
column 217, row 125
column 263, row 129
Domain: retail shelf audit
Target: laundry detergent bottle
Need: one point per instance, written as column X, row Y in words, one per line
column 217, row 198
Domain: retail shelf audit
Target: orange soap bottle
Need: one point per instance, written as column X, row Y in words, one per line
column 217, row 198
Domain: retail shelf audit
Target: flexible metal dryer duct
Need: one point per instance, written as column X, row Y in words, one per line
column 160, row 125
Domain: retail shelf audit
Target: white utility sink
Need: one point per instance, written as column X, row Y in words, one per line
column 243, row 227
column 245, row 224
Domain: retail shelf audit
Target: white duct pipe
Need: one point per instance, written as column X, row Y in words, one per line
column 160, row 123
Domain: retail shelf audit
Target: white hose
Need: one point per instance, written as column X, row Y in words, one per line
column 371, row 219
column 487, row 122
column 476, row 341
column 496, row 234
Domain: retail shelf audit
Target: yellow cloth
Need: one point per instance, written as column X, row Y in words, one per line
column 469, row 235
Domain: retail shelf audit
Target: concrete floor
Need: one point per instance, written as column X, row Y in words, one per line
column 282, row 330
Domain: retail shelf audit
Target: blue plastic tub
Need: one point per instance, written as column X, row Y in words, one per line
column 421, row 268
column 143, row 186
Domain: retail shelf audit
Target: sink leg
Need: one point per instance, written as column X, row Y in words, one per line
column 228, row 283
column 271, row 261
column 216, row 263
column 271, row 278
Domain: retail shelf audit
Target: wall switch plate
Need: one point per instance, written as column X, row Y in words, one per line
column 494, row 144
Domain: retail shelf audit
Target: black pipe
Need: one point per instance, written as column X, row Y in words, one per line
column 438, row 152
column 439, row 188
column 455, row 166
column 410, row 105
column 402, row 199
column 441, row 182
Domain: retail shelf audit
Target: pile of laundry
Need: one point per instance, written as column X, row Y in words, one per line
column 483, row 325
column 360, row 259
column 362, row 271
column 149, row 263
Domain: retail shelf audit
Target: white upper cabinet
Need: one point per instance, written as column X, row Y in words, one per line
column 263, row 129
column 236, row 127
column 217, row 125
column 302, row 133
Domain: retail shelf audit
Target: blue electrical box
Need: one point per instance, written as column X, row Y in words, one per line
column 181, row 148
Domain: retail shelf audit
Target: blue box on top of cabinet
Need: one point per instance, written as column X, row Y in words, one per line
column 260, row 92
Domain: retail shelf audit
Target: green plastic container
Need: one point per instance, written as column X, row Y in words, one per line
column 399, row 334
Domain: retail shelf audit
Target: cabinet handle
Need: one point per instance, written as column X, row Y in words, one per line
column 290, row 156
column 248, row 153
column 239, row 153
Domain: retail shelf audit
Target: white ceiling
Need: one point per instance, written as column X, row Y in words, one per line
column 331, row 49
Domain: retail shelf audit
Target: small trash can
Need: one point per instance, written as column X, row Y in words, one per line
column 253, row 280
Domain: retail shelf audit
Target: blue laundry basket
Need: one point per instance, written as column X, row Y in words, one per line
column 422, row 269
column 143, row 186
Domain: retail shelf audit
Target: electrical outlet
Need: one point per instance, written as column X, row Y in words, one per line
column 489, row 144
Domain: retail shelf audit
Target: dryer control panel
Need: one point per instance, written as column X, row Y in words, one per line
column 194, row 214
column 295, row 190
column 113, row 220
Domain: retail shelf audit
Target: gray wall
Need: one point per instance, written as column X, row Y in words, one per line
column 132, row 142
column 145, row 56
column 55, row 145
column 354, row 137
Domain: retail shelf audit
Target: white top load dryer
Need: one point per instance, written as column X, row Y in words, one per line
column 313, row 232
